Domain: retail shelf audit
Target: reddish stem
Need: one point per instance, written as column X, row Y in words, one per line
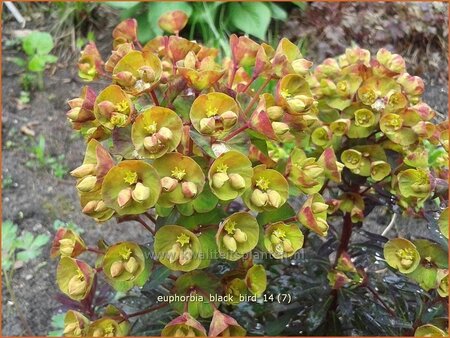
column 233, row 75
column 345, row 236
column 236, row 132
column 249, row 84
column 97, row 251
column 256, row 97
column 377, row 296
column 154, row 98
column 145, row 225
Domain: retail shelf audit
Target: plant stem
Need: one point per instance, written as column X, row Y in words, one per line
column 145, row 225
column 236, row 132
column 345, row 236
column 249, row 84
column 154, row 98
column 19, row 311
column 95, row 250
column 145, row 311
column 377, row 296
column 256, row 97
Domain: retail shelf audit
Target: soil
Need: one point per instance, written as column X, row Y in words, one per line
column 33, row 199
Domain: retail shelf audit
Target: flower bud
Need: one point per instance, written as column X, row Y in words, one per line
column 318, row 207
column 90, row 207
column 76, row 286
column 101, row 206
column 322, row 225
column 125, row 79
column 106, row 108
column 151, row 143
column 73, row 113
column 83, row 170
column 124, row 197
column 237, row 181
column 280, row 128
column 140, row 192
column 274, row 198
column 87, row 184
column 219, row 179
column 240, row 236
column 174, row 253
column 313, row 170
column 229, row 119
column 72, row 330
column 287, row 246
column 301, row 66
column 185, row 256
column 66, row 246
column 275, row 113
column 229, row 242
column 168, row 184
column 259, row 198
column 189, row 189
column 274, row 239
column 116, row 269
column 131, row 265
column 207, row 125
column 147, row 74
column 164, row 134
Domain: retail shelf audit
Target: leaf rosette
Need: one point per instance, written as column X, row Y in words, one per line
column 230, row 175
column 237, row 235
column 177, row 248
column 131, row 187
column 182, row 179
column 156, row 131
column 268, row 191
column 283, row 240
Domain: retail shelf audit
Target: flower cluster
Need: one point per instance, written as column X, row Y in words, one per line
column 208, row 155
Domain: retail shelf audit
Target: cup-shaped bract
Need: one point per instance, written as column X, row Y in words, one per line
column 196, row 283
column 75, row 324
column 173, row 21
column 184, row 326
column 131, row 187
column 223, row 325
column 235, row 289
column 74, row 278
column 268, row 191
column 256, row 280
column 122, row 50
column 442, row 277
column 230, row 175
column 182, row 179
column 294, row 94
column 67, row 243
column 81, row 108
column 113, row 108
column 137, row 72
column 90, row 63
column 313, row 214
column 125, row 265
column 415, row 183
column 306, row 173
column 243, row 50
column 199, row 74
column 331, row 166
column 237, row 235
column 177, row 248
column 125, row 32
column 156, row 131
column 402, row 255
column 108, row 327
column 283, row 240
column 214, row 114
column 429, row 330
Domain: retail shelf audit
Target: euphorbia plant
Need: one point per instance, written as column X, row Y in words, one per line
column 211, row 157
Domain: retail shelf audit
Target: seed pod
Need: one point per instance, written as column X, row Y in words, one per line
column 237, row 181
column 207, row 125
column 83, row 170
column 174, row 253
column 280, row 128
column 77, row 286
column 90, row 207
column 274, row 198
column 230, row 243
column 116, row 269
column 287, row 246
column 185, row 256
column 164, row 134
column 318, row 207
column 229, row 119
column 124, row 197
column 259, row 198
column 87, row 183
column 140, row 192
column 240, row 236
column 168, row 184
column 219, row 179
column 131, row 265
column 189, row 189
column 66, row 246
column 125, row 79
column 106, row 108
column 147, row 74
column 275, row 113
column 151, row 144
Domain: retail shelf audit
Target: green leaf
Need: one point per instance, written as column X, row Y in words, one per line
column 282, row 213
column 278, row 13
column 32, row 246
column 18, row 61
column 206, row 201
column 9, row 235
column 158, row 276
column 36, row 64
column 251, row 17
column 202, row 142
column 301, row 5
column 40, row 43
column 122, row 4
